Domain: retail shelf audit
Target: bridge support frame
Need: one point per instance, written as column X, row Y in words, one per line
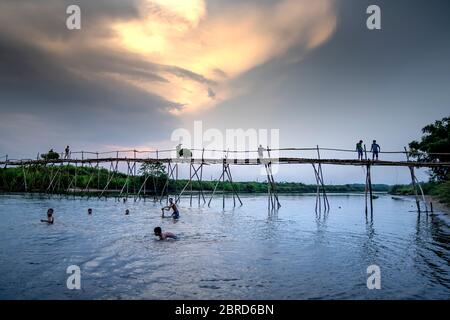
column 225, row 171
column 273, row 203
column 416, row 186
column 131, row 170
column 91, row 178
column 172, row 173
column 320, row 186
column 193, row 173
column 55, row 180
column 368, row 189
column 24, row 172
column 113, row 169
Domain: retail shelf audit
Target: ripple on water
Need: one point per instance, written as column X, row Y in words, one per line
column 242, row 253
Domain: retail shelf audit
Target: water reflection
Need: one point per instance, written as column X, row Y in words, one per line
column 432, row 243
column 239, row 253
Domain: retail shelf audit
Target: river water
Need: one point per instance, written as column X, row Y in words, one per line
column 241, row 253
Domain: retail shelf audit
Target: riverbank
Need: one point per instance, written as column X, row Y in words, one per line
column 67, row 179
column 438, row 192
column 438, row 206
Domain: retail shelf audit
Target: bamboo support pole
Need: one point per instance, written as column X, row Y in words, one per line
column 326, row 204
column 215, row 188
column 142, row 186
column 199, row 179
column 190, row 183
column 166, row 184
column 370, row 188
column 230, row 178
column 110, row 177
column 422, row 194
column 24, row 178
column 127, row 181
column 91, row 177
column 318, row 201
column 98, row 174
column 272, row 183
column 413, row 179
column 269, row 188
column 223, row 186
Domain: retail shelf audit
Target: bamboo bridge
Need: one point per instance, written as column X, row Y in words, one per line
column 171, row 160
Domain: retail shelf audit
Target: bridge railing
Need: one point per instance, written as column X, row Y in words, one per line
column 267, row 152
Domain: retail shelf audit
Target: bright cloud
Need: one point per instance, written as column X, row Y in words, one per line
column 177, row 50
column 217, row 47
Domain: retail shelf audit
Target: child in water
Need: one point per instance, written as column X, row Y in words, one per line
column 173, row 206
column 50, row 218
column 163, row 235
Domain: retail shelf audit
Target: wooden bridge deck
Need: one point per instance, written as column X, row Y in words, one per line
column 254, row 161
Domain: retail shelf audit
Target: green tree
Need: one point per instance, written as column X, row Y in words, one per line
column 434, row 142
column 155, row 169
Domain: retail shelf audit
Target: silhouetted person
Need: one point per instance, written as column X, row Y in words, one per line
column 375, row 149
column 360, row 149
column 67, row 150
column 50, row 218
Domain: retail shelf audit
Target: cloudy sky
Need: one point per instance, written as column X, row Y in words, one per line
column 139, row 69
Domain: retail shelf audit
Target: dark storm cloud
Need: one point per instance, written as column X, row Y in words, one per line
column 72, row 94
column 33, row 83
column 49, row 16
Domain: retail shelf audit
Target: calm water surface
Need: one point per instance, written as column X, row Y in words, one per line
column 244, row 253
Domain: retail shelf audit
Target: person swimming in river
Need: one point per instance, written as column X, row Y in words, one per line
column 175, row 214
column 163, row 235
column 50, row 218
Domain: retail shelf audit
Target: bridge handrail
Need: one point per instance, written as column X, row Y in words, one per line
column 157, row 152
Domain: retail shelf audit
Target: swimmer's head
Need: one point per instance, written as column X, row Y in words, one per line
column 127, row 212
column 171, row 200
column 157, row 231
column 50, row 212
column 89, row 211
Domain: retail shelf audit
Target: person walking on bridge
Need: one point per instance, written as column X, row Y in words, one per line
column 375, row 149
column 360, row 150
column 67, row 150
column 261, row 150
